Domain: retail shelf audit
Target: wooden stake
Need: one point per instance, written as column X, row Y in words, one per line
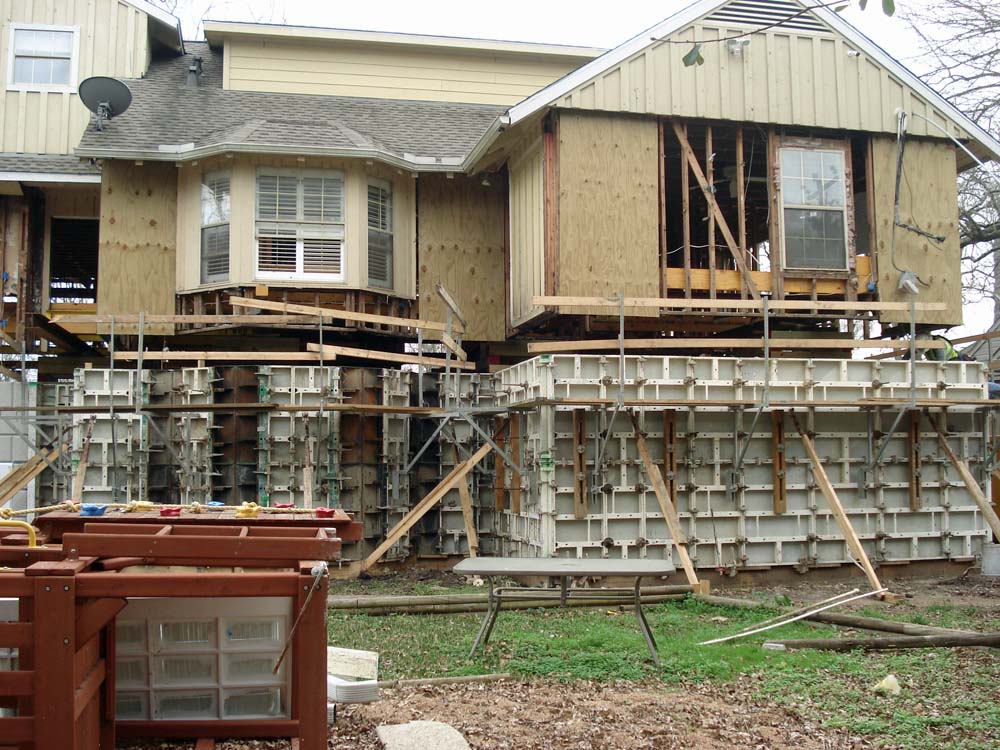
column 667, row 508
column 916, row 499
column 81, row 469
column 778, row 461
column 970, row 482
column 468, row 515
column 716, row 211
column 826, row 487
column 579, row 463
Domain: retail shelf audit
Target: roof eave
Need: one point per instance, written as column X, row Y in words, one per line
column 408, row 162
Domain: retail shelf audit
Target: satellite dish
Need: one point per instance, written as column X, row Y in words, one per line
column 105, row 97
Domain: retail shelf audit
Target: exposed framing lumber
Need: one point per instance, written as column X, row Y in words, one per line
column 778, row 462
column 104, row 321
column 670, row 450
column 20, row 476
column 551, row 347
column 468, row 514
column 515, row 453
column 661, row 203
column 210, row 356
column 916, row 499
column 710, row 178
column 774, row 216
column 826, row 487
column 579, row 463
column 80, row 474
column 420, row 509
column 737, row 304
column 686, row 213
column 454, row 346
column 668, row 509
column 10, row 374
column 714, row 209
column 741, row 202
column 332, row 351
column 452, row 305
column 970, row 481
column 357, row 317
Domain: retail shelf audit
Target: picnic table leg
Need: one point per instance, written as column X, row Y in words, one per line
column 643, row 625
column 489, row 620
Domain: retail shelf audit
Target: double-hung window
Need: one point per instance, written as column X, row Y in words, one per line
column 215, row 227
column 814, row 205
column 380, row 234
column 42, row 58
column 300, row 225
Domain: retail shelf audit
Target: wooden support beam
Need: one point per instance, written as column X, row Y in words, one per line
column 673, row 521
column 332, row 314
column 670, row 451
column 468, row 513
column 596, row 345
column 580, row 496
column 308, row 472
column 332, row 351
column 665, row 303
column 10, row 374
column 420, row 509
column 661, row 203
column 21, row 475
column 916, row 499
column 453, row 345
column 499, row 466
column 826, row 487
column 895, row 643
column 453, row 306
column 970, row 481
column 220, row 356
column 710, row 196
column 774, row 216
column 686, row 215
column 741, row 204
column 80, row 474
column 778, row 461
column 714, row 209
column 515, row 453
column 103, row 322
column 94, row 615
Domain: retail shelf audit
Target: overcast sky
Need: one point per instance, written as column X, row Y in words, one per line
column 580, row 23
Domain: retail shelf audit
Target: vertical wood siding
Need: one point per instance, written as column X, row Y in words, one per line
column 782, row 77
column 527, row 231
column 112, row 41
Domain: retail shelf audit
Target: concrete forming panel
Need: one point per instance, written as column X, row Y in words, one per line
column 18, row 438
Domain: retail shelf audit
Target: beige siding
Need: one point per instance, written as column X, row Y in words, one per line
column 112, row 41
column 343, row 69
column 781, row 77
column 928, row 199
column 243, row 171
column 138, row 239
column 527, row 233
column 461, row 246
column 608, row 206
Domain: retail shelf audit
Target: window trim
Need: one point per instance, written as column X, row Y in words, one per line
column 74, row 59
column 299, row 174
column 206, row 177
column 842, row 147
column 387, row 186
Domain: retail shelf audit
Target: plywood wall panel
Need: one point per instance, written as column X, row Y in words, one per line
column 929, row 200
column 461, row 225
column 783, row 77
column 138, row 238
column 608, row 205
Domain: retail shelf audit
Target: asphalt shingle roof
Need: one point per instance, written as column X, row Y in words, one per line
column 46, row 163
column 166, row 112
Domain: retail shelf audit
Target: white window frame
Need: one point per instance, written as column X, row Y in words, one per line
column 207, row 177
column 387, row 186
column 74, row 59
column 845, row 211
column 299, row 274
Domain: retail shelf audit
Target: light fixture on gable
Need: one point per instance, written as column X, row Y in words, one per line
column 736, row 46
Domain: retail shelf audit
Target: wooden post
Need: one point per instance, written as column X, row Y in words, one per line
column 420, row 509
column 670, row 451
column 686, row 214
column 826, row 487
column 970, row 482
column 710, row 178
column 309, row 663
column 741, row 202
column 668, row 509
column 515, row 453
column 778, row 461
column 662, row 204
column 579, row 463
column 774, row 215
column 307, row 472
column 55, row 677
column 499, row 468
column 916, row 499
column 468, row 515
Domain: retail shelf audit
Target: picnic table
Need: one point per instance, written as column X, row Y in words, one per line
column 564, row 569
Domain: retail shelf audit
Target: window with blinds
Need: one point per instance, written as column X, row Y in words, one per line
column 300, row 225
column 215, row 207
column 380, row 234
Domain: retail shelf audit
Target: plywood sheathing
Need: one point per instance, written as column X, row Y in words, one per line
column 461, row 226
column 137, row 251
column 608, row 198
column 929, row 200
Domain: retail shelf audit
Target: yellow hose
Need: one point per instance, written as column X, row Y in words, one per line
column 32, row 537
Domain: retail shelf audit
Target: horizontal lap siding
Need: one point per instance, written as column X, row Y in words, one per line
column 780, row 77
column 338, row 69
column 113, row 42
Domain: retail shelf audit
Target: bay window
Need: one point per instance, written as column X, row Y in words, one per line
column 215, row 211
column 300, row 225
column 380, row 239
column 814, row 208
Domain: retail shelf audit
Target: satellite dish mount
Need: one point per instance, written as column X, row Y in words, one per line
column 105, row 97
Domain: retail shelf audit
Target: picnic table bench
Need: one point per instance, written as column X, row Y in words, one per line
column 564, row 569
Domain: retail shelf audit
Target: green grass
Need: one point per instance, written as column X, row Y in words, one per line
column 950, row 699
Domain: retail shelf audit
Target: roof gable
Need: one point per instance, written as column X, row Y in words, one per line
column 815, row 69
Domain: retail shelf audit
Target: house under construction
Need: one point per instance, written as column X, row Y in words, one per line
column 496, row 297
